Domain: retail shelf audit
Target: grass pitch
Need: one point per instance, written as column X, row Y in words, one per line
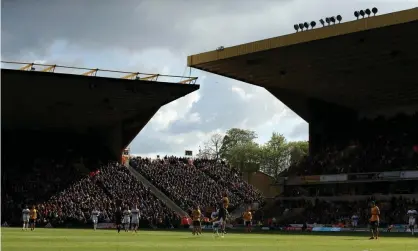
column 14, row 239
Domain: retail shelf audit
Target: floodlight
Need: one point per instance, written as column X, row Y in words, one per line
column 356, row 14
column 327, row 20
column 306, row 25
column 322, row 22
column 368, row 12
column 296, row 27
column 301, row 26
column 374, row 10
column 313, row 24
column 339, row 18
column 332, row 19
column 362, row 13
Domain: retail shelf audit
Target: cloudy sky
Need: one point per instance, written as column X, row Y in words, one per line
column 156, row 36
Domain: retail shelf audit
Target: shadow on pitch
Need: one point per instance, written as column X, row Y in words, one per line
column 191, row 238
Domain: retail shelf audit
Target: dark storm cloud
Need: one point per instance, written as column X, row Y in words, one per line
column 157, row 35
column 182, row 25
column 129, row 24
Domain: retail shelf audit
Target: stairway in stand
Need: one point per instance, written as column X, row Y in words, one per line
column 238, row 212
column 160, row 195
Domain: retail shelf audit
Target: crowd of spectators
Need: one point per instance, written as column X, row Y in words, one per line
column 64, row 192
column 75, row 203
column 22, row 185
column 67, row 193
column 182, row 182
column 348, row 189
column 190, row 183
column 229, row 177
column 106, row 189
column 122, row 185
column 381, row 145
column 393, row 211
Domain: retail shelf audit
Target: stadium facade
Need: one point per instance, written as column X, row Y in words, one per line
column 331, row 76
column 335, row 78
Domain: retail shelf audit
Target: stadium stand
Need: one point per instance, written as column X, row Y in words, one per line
column 382, row 145
column 363, row 142
column 393, row 211
column 230, row 178
column 26, row 183
column 52, row 144
column 346, row 140
column 113, row 185
column 105, row 189
column 121, row 185
column 75, row 203
column 188, row 185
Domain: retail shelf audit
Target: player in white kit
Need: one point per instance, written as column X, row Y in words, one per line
column 215, row 222
column 412, row 214
column 95, row 217
column 354, row 220
column 126, row 219
column 25, row 218
column 135, row 218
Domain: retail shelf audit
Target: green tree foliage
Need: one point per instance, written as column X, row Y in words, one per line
column 238, row 147
column 298, row 150
column 246, row 157
column 233, row 138
column 276, row 155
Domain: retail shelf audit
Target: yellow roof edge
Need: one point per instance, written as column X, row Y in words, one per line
column 363, row 24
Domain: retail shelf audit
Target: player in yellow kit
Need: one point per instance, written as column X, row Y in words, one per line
column 225, row 200
column 33, row 214
column 225, row 205
column 248, row 217
column 196, row 215
column 374, row 221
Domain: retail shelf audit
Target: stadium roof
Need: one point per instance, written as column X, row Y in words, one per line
column 35, row 100
column 366, row 64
